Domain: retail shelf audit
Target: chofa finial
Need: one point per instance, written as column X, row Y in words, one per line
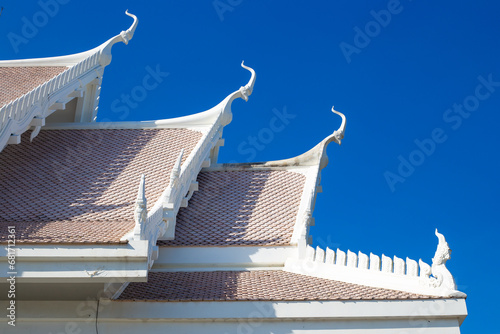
column 247, row 90
column 338, row 135
column 124, row 36
column 129, row 33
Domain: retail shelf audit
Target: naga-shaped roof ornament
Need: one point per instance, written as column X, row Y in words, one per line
column 338, row 134
column 129, row 33
column 247, row 90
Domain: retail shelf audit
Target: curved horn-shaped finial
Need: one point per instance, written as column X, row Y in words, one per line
column 129, row 33
column 247, row 90
column 440, row 237
column 338, row 135
column 124, row 36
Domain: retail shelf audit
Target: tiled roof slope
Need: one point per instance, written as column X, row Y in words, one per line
column 242, row 207
column 17, row 81
column 80, row 185
column 261, row 285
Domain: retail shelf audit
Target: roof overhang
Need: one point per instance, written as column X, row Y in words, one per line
column 435, row 316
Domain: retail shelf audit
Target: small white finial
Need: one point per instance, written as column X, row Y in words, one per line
column 140, row 212
column 176, row 170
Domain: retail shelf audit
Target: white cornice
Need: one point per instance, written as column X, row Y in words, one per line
column 78, row 263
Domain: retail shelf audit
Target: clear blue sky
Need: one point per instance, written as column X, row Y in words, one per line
column 402, row 72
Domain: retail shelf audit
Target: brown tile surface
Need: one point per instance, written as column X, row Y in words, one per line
column 17, row 81
column 80, row 185
column 256, row 207
column 273, row 285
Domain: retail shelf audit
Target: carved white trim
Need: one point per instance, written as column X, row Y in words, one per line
column 390, row 273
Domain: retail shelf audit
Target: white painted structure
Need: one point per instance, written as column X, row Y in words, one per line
column 69, row 288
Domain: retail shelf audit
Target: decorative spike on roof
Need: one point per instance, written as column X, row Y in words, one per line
column 176, row 170
column 140, row 211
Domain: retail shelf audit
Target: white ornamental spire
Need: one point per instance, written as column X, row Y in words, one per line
column 140, row 211
column 176, row 170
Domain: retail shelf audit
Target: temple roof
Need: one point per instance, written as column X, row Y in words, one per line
column 80, row 185
column 31, row 90
column 240, row 207
column 259, row 285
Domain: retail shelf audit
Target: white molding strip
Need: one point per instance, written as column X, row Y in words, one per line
column 222, row 258
column 78, row 263
column 374, row 317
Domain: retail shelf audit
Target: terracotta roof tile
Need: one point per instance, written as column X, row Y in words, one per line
column 80, row 185
column 261, row 285
column 17, row 81
column 256, row 207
